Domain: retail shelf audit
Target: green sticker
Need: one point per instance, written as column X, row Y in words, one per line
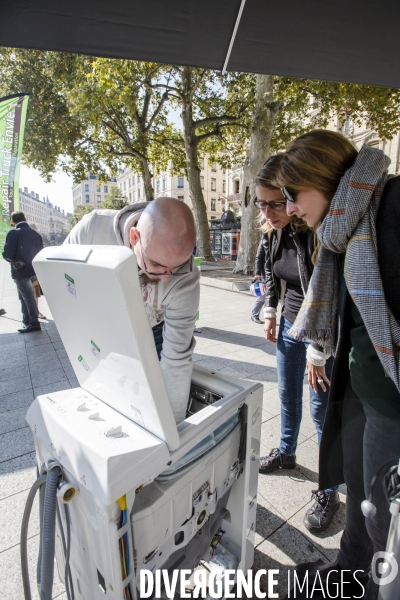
column 70, row 285
column 83, row 363
column 94, row 349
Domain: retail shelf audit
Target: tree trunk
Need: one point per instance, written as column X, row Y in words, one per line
column 147, row 177
column 265, row 113
column 203, row 245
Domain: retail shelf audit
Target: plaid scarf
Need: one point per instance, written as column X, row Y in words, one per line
column 350, row 227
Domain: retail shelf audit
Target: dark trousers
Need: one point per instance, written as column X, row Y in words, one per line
column 369, row 439
column 28, row 303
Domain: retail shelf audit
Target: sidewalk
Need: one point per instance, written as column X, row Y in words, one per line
column 37, row 363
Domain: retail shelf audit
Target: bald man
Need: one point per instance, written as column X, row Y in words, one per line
column 162, row 235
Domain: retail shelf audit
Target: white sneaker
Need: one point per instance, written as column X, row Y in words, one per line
column 41, row 316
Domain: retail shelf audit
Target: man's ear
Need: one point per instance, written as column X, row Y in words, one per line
column 134, row 236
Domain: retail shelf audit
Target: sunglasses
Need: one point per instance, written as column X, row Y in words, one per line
column 273, row 205
column 290, row 196
column 173, row 273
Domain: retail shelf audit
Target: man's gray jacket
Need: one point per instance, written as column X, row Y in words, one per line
column 175, row 302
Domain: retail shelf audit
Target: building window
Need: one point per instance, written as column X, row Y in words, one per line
column 98, row 198
column 158, row 186
column 97, row 189
column 237, row 186
column 213, row 204
column 86, row 187
column 201, row 163
column 224, row 187
column 133, row 195
column 181, row 182
column 213, row 185
column 164, row 183
column 87, row 198
column 202, row 182
column 223, row 171
column 124, row 185
column 181, row 198
column 130, row 196
column 106, row 189
column 214, row 167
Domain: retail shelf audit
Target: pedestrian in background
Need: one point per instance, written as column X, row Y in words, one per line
column 22, row 245
column 259, row 276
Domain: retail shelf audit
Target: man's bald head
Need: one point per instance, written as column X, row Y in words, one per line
column 167, row 234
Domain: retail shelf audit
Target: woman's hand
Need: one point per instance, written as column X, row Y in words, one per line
column 256, row 278
column 317, row 376
column 270, row 330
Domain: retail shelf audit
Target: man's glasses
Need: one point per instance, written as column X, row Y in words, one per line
column 273, row 205
column 173, row 273
column 289, row 196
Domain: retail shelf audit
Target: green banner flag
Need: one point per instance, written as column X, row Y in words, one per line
column 12, row 126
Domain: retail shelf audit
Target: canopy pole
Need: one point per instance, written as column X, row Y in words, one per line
column 228, row 55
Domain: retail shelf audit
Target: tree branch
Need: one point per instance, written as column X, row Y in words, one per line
column 212, row 120
column 157, row 111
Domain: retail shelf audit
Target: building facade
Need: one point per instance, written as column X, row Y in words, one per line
column 35, row 210
column 91, row 191
column 212, row 179
column 49, row 220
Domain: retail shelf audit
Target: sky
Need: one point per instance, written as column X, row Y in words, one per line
column 59, row 190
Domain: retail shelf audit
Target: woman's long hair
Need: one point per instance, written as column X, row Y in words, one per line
column 265, row 178
column 317, row 159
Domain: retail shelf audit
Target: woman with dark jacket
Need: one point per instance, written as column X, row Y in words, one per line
column 352, row 308
column 288, row 249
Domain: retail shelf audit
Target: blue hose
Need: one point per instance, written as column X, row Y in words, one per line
column 49, row 534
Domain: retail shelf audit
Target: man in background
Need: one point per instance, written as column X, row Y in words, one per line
column 22, row 245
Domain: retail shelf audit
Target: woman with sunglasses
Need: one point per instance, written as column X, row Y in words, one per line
column 289, row 246
column 352, row 308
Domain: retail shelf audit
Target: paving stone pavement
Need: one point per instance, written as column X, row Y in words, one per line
column 229, row 342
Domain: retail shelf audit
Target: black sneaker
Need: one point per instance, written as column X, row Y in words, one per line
column 320, row 515
column 276, row 460
column 257, row 320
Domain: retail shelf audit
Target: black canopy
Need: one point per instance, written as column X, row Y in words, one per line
column 341, row 40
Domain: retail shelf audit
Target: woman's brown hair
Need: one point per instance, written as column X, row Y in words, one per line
column 265, row 178
column 318, row 159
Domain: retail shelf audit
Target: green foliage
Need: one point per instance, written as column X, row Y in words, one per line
column 79, row 211
column 115, row 200
column 90, row 114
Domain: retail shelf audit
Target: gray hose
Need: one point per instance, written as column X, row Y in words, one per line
column 24, row 535
column 49, row 534
column 39, row 558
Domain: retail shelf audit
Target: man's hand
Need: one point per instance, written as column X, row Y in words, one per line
column 256, row 278
column 270, row 330
column 316, row 377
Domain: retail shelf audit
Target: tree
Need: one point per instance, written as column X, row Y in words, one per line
column 90, row 114
column 211, row 106
column 284, row 109
column 115, row 200
column 265, row 112
column 79, row 211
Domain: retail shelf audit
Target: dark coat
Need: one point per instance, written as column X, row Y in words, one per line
column 22, row 243
column 388, row 238
column 260, row 260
